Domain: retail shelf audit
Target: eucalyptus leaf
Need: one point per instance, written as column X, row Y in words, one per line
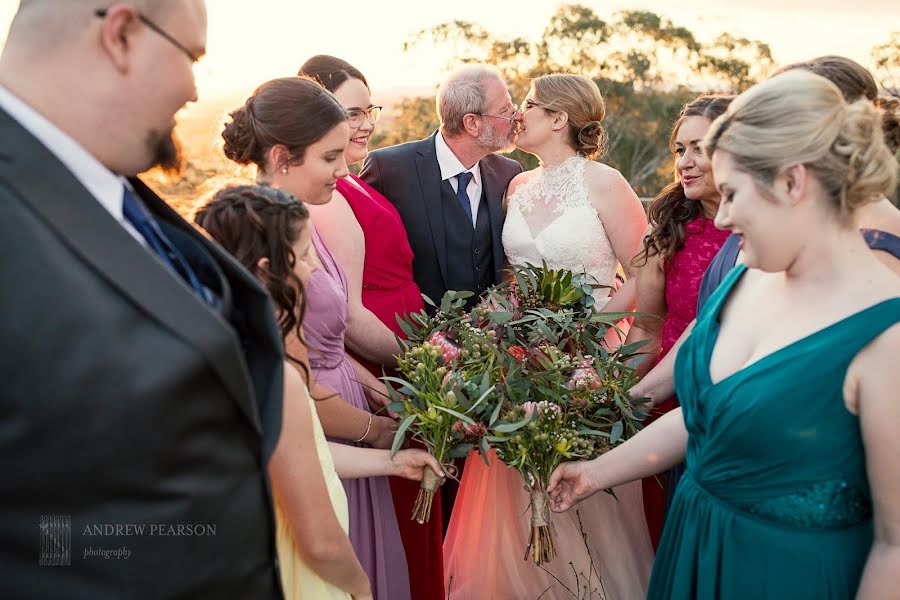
column 458, row 415
column 400, row 436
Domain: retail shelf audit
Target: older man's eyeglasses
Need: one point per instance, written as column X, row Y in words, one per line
column 356, row 116
column 514, row 116
column 102, row 12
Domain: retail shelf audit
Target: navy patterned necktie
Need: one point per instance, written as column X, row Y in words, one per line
column 140, row 218
column 462, row 182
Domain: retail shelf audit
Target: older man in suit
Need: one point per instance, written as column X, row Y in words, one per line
column 449, row 187
column 141, row 372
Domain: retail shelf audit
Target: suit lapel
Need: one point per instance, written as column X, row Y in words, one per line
column 493, row 194
column 429, row 173
column 81, row 223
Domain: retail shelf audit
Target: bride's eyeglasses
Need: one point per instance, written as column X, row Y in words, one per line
column 356, row 116
column 529, row 104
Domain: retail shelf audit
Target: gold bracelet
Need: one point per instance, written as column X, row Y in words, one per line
column 368, row 428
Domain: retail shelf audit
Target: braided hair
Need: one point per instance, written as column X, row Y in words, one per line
column 253, row 222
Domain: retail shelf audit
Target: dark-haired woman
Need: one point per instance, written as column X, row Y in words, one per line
column 296, row 133
column 269, row 230
column 367, row 237
column 577, row 214
column 681, row 242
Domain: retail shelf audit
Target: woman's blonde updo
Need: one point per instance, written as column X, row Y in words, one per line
column 802, row 118
column 579, row 98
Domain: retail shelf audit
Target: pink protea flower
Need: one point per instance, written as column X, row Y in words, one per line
column 449, row 349
column 530, row 408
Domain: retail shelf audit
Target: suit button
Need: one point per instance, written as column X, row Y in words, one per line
column 476, row 253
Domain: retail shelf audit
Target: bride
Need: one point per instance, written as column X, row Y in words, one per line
column 579, row 215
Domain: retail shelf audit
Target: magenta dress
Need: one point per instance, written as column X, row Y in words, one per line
column 683, row 272
column 373, row 524
column 388, row 289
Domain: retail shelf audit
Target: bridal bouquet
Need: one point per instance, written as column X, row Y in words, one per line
column 562, row 393
column 445, row 385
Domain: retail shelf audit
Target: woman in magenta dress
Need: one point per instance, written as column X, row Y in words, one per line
column 680, row 243
column 365, row 233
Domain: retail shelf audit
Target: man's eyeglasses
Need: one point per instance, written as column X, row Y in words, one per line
column 514, row 116
column 102, row 12
column 356, row 116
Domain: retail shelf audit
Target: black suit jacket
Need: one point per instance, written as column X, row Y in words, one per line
column 127, row 401
column 409, row 176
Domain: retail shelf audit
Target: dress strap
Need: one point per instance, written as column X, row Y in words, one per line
column 882, row 240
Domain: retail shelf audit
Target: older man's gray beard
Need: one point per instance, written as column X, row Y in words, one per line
column 166, row 152
column 494, row 143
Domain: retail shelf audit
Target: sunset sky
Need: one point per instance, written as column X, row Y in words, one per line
column 250, row 42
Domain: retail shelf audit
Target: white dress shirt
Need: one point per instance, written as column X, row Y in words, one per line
column 103, row 184
column 451, row 167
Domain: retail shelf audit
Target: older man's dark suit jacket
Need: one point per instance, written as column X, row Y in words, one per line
column 127, row 401
column 409, row 176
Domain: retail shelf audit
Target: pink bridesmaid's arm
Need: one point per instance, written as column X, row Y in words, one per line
column 651, row 303
column 366, row 335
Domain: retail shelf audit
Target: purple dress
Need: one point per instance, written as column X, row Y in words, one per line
column 373, row 524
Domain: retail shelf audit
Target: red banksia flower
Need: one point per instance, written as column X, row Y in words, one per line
column 518, row 352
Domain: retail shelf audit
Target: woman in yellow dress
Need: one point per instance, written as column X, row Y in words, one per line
column 267, row 230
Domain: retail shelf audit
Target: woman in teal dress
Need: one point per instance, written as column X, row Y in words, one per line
column 789, row 380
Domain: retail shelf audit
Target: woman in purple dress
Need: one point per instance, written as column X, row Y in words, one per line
column 306, row 158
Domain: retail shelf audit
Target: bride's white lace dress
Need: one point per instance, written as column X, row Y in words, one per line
column 549, row 219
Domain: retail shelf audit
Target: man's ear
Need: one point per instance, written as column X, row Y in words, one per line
column 119, row 24
column 262, row 264
column 472, row 123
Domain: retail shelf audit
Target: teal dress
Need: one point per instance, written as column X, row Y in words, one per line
column 775, row 501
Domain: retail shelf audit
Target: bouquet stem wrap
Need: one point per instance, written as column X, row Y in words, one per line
column 541, row 546
column 422, row 509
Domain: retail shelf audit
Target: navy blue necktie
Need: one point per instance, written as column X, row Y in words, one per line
column 462, row 182
column 140, row 218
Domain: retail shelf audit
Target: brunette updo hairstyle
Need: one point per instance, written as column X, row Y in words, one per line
column 856, row 82
column 579, row 98
column 330, row 72
column 671, row 210
column 798, row 118
column 294, row 112
column 257, row 221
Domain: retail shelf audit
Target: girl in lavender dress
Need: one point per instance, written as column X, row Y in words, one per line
column 296, row 132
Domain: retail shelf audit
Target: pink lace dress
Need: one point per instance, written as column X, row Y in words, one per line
column 683, row 275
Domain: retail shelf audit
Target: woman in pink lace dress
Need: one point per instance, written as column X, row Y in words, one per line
column 680, row 243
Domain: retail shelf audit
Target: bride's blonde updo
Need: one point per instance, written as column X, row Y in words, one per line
column 579, row 98
column 801, row 118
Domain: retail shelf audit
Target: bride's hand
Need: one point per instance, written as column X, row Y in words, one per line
column 570, row 483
